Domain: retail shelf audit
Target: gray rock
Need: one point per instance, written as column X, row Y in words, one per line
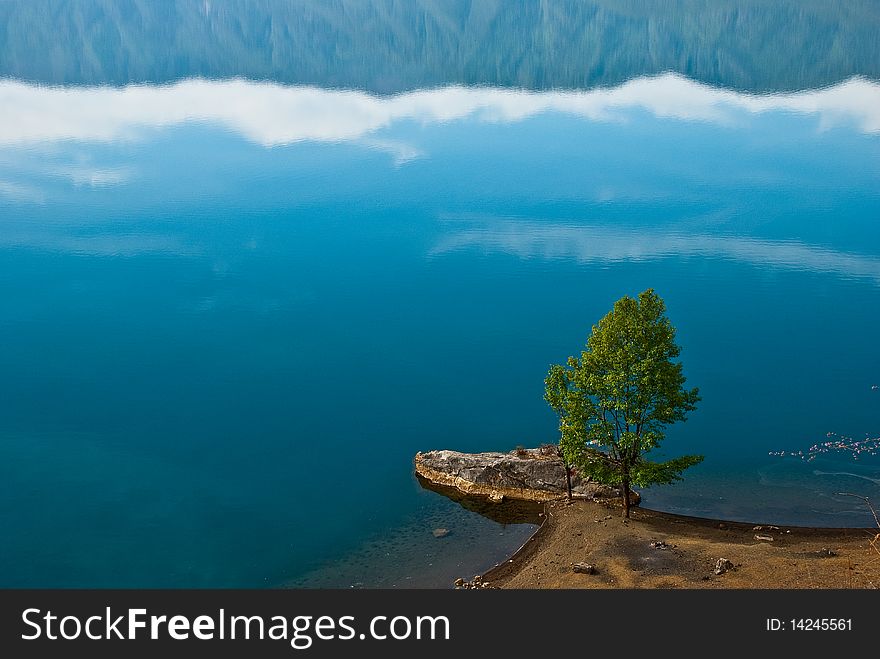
column 529, row 474
column 584, row 568
column 477, row 583
column 722, row 565
column 441, row 533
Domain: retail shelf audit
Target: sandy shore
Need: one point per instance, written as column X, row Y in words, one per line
column 623, row 555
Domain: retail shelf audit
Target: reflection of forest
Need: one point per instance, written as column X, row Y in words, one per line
column 393, row 45
column 505, row 512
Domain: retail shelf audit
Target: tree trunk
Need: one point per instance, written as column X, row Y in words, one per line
column 625, row 490
column 568, row 479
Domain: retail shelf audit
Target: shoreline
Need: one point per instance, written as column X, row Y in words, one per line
column 625, row 553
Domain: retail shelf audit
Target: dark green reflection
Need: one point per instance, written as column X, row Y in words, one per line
column 393, row 45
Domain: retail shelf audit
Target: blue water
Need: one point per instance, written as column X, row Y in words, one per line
column 233, row 311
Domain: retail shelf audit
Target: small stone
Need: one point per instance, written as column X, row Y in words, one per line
column 496, row 497
column 826, row 553
column 459, row 582
column 659, row 544
column 722, row 565
column 766, row 538
column 440, row 533
column 478, row 579
column 722, row 526
column 757, row 528
column 584, row 568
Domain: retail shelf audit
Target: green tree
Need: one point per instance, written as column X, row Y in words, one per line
column 615, row 401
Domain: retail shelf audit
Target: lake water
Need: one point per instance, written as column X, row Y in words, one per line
column 244, row 279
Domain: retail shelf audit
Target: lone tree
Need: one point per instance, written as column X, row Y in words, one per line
column 615, row 401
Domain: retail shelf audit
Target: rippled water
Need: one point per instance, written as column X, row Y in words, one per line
column 233, row 309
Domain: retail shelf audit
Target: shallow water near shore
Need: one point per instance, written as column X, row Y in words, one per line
column 236, row 304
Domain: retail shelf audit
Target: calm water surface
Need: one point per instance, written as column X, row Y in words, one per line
column 234, row 307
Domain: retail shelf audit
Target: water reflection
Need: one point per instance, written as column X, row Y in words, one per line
column 272, row 115
column 604, row 244
column 508, row 511
column 388, row 46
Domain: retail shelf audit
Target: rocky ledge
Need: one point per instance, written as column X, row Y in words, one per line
column 526, row 474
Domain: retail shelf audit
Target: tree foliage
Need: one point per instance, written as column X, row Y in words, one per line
column 615, row 400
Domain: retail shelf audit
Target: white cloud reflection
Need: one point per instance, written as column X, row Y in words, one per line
column 270, row 114
column 20, row 192
column 95, row 177
column 528, row 239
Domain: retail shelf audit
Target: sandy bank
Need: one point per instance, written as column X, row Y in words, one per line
column 622, row 553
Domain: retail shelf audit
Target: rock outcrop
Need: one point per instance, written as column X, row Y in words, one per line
column 525, row 474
